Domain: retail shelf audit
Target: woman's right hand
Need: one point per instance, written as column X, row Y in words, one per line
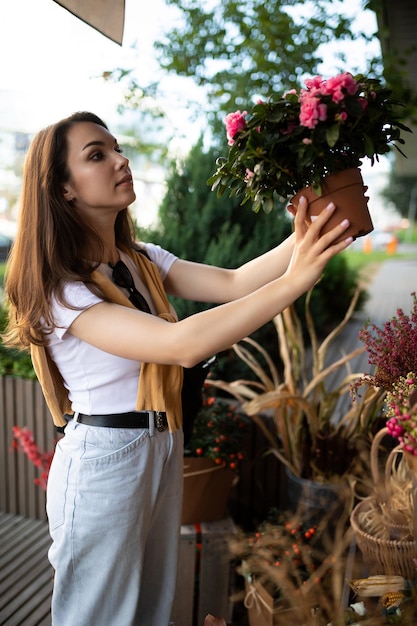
column 312, row 250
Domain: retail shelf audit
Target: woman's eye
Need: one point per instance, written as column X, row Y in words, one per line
column 96, row 156
column 119, row 150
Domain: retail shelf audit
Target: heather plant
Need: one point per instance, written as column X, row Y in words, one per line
column 392, row 349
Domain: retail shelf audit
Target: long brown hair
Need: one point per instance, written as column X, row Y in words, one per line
column 53, row 242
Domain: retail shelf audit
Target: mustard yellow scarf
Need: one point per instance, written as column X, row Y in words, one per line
column 159, row 387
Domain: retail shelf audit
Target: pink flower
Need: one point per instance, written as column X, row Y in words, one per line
column 341, row 117
column 290, row 92
column 334, row 86
column 235, row 122
column 249, row 174
column 313, row 83
column 290, row 129
column 340, row 83
column 363, row 103
column 312, row 111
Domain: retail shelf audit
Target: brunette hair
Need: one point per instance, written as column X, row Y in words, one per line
column 53, row 243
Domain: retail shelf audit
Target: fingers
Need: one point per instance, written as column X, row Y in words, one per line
column 317, row 223
column 291, row 209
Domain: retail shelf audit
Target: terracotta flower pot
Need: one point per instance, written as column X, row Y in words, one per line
column 206, row 490
column 347, row 191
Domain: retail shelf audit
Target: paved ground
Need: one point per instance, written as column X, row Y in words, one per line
column 390, row 289
column 392, row 286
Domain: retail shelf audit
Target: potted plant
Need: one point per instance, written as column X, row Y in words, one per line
column 318, row 430
column 303, row 141
column 211, row 458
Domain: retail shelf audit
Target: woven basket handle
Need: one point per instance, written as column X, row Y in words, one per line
column 390, row 460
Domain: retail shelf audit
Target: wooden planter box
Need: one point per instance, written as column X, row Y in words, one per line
column 205, row 573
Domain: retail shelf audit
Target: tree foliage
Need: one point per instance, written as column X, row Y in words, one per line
column 198, row 226
column 238, row 50
column 401, row 192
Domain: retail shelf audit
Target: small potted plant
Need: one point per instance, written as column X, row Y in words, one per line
column 302, row 142
column 212, row 457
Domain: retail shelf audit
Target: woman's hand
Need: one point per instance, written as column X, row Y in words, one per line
column 312, row 251
column 210, row 620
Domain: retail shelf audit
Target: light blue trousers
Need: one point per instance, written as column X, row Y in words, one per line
column 114, row 503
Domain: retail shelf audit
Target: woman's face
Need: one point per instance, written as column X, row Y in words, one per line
column 100, row 178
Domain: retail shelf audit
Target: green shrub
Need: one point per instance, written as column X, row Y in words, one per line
column 13, row 362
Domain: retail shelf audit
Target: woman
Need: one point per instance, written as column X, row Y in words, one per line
column 115, row 485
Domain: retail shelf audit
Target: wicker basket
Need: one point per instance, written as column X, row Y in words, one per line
column 382, row 554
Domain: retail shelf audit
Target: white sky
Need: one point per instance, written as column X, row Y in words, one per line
column 51, row 58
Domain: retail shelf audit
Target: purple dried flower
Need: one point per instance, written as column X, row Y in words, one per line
column 392, row 348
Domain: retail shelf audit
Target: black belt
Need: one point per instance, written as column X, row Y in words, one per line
column 132, row 419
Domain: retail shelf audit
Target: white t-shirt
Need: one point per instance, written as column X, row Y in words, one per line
column 98, row 382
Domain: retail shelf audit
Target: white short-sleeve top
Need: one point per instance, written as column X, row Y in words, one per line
column 98, row 382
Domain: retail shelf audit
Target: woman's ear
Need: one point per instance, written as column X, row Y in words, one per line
column 68, row 193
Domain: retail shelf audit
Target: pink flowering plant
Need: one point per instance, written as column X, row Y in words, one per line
column 289, row 143
column 402, row 412
column 23, row 440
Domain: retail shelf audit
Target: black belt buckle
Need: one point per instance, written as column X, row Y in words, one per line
column 160, row 421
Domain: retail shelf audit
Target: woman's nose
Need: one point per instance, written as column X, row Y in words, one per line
column 122, row 160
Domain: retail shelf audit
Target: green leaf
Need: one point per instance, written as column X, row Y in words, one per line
column 369, row 145
column 332, row 134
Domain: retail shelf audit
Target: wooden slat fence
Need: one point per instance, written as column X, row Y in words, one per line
column 22, row 404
